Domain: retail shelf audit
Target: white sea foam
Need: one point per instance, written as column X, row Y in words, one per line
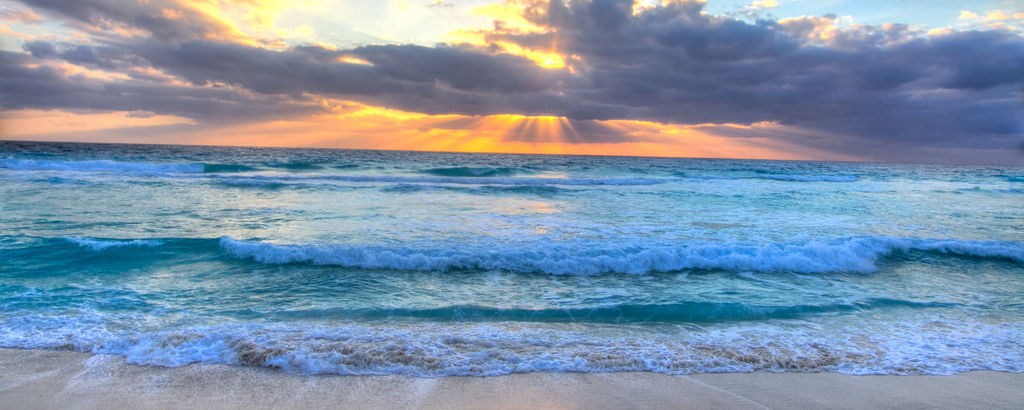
column 527, row 181
column 103, row 244
column 490, row 349
column 793, row 178
column 811, row 178
column 99, row 166
column 849, row 255
column 83, row 332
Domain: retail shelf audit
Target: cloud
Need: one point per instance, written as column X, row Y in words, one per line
column 859, row 88
column 764, row 4
column 28, row 83
column 676, row 64
column 998, row 15
column 968, row 15
column 443, row 79
column 19, row 15
column 165, row 20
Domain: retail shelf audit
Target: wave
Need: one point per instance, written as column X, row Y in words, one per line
column 255, row 183
column 1011, row 178
column 850, row 255
column 239, row 175
column 226, row 168
column 295, row 166
column 472, row 172
column 291, row 166
column 791, row 178
column 683, row 312
column 104, row 244
column 491, row 349
column 984, row 191
column 522, row 181
column 538, row 190
column 99, row 166
column 502, row 181
column 810, row 178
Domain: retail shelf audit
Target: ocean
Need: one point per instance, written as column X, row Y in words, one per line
column 428, row 264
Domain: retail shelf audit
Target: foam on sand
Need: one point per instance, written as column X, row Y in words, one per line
column 63, row 379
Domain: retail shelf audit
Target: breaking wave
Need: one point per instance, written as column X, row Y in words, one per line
column 104, row 244
column 850, row 255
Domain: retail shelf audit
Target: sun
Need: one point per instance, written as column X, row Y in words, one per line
column 549, row 60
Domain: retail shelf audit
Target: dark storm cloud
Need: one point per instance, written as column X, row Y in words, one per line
column 396, row 69
column 26, row 85
column 461, row 69
column 438, row 80
column 862, row 86
column 108, row 58
column 675, row 64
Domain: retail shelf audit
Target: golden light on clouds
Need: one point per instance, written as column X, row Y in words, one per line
column 96, row 77
column 358, row 126
column 64, row 125
column 508, row 17
column 546, row 59
column 543, row 59
column 229, row 27
column 353, row 60
column 250, row 22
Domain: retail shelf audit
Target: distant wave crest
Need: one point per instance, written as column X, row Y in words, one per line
column 790, row 178
column 99, row 166
column 472, row 172
column 811, row 178
column 458, row 180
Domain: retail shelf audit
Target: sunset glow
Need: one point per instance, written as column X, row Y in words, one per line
column 663, row 78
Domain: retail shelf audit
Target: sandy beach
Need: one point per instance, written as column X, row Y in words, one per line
column 46, row 379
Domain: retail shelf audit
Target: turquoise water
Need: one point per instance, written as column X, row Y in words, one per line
column 435, row 264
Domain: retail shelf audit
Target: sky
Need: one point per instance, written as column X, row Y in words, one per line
column 934, row 81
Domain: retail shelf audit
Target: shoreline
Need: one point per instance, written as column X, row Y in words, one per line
column 52, row 379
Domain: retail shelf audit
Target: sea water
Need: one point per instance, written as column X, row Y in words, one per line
column 435, row 264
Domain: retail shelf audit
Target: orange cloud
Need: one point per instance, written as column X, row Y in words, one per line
column 509, row 17
column 62, row 125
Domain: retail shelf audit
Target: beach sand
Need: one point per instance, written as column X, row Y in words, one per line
column 46, row 379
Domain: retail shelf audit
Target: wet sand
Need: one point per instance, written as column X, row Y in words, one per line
column 46, row 379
